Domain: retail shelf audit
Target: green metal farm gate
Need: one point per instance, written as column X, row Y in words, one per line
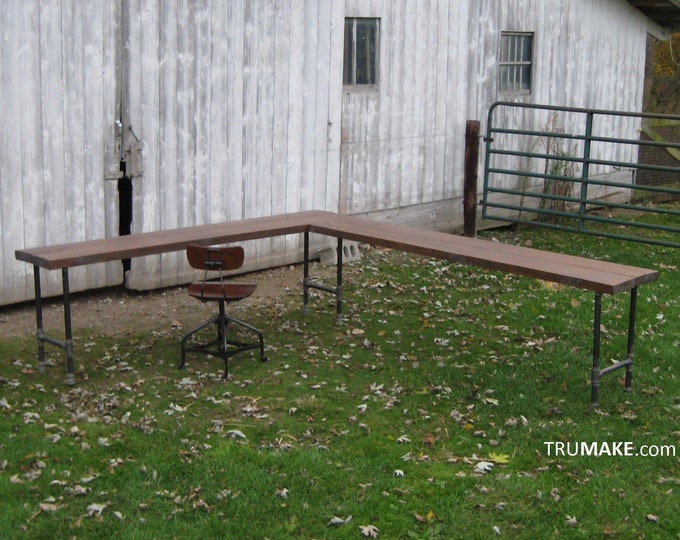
column 583, row 170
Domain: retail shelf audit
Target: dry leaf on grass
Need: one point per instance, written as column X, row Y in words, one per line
column 370, row 531
column 336, row 521
column 48, row 507
column 430, row 516
column 572, row 521
column 96, row 509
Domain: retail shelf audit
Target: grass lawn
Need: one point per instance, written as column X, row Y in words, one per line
column 436, row 410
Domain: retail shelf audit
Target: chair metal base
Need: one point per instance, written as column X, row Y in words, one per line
column 221, row 346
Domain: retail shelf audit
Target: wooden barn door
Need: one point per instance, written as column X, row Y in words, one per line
column 59, row 147
column 168, row 88
column 228, row 115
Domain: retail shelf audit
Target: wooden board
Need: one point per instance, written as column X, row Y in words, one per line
column 599, row 276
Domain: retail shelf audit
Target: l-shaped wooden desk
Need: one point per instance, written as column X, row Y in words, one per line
column 601, row 277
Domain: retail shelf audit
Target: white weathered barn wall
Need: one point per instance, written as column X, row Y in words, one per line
column 240, row 111
column 57, row 89
column 403, row 143
column 599, row 70
column 399, row 139
column 233, row 103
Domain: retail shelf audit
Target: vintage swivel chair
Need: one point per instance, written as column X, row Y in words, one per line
column 219, row 260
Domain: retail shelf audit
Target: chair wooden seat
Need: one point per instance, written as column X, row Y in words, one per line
column 214, row 290
column 218, row 260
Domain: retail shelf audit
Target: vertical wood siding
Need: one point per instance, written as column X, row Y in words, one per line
column 240, row 111
column 232, row 101
column 57, row 80
column 403, row 143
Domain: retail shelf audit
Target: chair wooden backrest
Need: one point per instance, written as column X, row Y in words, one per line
column 215, row 258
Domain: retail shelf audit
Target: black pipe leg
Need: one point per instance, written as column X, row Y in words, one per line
column 68, row 343
column 595, row 376
column 222, row 323
column 305, row 277
column 40, row 333
column 631, row 339
column 338, row 285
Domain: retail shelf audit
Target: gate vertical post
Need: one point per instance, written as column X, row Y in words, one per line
column 585, row 172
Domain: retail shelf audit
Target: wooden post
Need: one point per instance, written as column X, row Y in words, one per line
column 470, row 180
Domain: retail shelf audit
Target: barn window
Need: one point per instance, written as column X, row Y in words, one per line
column 361, row 51
column 516, row 62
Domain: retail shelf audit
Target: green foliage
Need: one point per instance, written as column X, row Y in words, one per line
column 424, row 415
column 558, row 172
column 662, row 86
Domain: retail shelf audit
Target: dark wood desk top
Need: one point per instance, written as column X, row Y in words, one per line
column 151, row 243
column 595, row 275
column 581, row 272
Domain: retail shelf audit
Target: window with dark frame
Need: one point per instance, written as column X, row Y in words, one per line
column 361, row 51
column 515, row 68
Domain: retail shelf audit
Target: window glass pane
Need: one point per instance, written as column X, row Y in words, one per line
column 526, row 48
column 348, row 59
column 524, row 76
column 505, row 48
column 514, row 74
column 360, row 63
column 512, row 83
column 366, row 38
column 513, row 49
